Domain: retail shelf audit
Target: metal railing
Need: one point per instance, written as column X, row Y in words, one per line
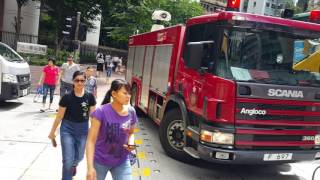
column 8, row 38
column 88, row 52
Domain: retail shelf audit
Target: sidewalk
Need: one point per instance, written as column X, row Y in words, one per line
column 32, row 157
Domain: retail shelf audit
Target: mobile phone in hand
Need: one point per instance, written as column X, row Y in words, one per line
column 54, row 142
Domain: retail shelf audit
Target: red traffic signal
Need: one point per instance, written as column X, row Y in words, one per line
column 233, row 4
column 315, row 16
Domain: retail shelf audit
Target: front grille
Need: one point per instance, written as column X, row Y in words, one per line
column 23, row 78
column 285, row 128
column 25, row 86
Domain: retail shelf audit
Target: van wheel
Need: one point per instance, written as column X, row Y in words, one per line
column 171, row 134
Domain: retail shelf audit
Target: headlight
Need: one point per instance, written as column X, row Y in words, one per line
column 317, row 139
column 10, row 78
column 217, row 137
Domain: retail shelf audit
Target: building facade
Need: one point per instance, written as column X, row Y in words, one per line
column 262, row 7
column 265, row 7
column 314, row 4
column 30, row 21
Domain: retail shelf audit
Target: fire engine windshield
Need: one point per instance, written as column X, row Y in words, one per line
column 270, row 56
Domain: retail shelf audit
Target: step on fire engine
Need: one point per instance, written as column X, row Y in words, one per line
column 223, row 88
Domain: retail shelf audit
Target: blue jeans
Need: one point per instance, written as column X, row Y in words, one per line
column 46, row 89
column 73, row 146
column 109, row 71
column 120, row 172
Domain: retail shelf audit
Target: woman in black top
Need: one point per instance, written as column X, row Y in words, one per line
column 73, row 114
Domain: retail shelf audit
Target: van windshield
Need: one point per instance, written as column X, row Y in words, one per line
column 270, row 57
column 9, row 54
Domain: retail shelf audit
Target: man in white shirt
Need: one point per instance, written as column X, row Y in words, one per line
column 66, row 73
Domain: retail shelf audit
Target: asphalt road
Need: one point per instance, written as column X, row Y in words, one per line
column 26, row 153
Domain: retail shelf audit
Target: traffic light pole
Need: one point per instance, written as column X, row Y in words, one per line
column 77, row 42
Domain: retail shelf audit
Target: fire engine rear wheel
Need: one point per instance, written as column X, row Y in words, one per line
column 171, row 134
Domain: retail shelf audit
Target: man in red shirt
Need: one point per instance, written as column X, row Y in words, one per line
column 48, row 79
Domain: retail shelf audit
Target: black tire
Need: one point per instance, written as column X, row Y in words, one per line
column 171, row 134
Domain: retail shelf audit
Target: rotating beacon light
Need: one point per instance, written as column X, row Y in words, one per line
column 158, row 16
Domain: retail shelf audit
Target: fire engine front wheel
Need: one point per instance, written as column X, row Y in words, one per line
column 171, row 134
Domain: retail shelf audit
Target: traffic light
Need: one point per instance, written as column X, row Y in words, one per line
column 82, row 34
column 70, row 28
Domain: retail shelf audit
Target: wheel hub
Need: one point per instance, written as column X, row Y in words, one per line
column 175, row 134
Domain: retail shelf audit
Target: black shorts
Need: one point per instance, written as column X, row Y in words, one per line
column 100, row 67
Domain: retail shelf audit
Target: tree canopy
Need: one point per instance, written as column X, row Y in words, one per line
column 124, row 18
column 57, row 11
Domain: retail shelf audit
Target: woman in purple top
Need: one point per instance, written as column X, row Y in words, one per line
column 111, row 138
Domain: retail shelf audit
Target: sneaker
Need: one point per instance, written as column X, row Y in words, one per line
column 74, row 170
column 42, row 110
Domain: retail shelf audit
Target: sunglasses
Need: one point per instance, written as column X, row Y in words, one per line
column 79, row 80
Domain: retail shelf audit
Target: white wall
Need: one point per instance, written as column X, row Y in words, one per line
column 258, row 8
column 93, row 35
column 30, row 14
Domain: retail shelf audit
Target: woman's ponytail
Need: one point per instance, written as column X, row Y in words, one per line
column 116, row 85
column 107, row 98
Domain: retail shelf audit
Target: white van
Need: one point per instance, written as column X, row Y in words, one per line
column 14, row 74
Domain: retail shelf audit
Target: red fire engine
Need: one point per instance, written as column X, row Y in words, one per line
column 222, row 88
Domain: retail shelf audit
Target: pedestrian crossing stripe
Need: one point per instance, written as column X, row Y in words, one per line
column 141, row 155
column 141, row 172
column 138, row 141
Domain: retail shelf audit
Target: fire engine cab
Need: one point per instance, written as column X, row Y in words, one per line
column 223, row 88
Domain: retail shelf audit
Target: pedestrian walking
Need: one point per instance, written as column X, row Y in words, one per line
column 111, row 139
column 108, row 66
column 73, row 114
column 119, row 65
column 91, row 82
column 48, row 80
column 115, row 60
column 100, row 62
column 67, row 70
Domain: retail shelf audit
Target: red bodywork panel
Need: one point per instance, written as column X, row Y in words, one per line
column 204, row 94
column 227, row 15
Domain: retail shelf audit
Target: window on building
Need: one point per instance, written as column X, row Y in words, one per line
column 273, row 6
column 281, row 6
column 255, row 4
column 267, row 4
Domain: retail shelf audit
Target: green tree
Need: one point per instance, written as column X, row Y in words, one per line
column 17, row 23
column 59, row 10
column 128, row 17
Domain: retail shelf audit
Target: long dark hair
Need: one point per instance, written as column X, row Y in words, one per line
column 77, row 73
column 116, row 85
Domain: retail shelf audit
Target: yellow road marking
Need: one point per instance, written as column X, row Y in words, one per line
column 138, row 141
column 141, row 155
column 135, row 172
column 136, row 130
column 141, row 172
column 146, row 171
